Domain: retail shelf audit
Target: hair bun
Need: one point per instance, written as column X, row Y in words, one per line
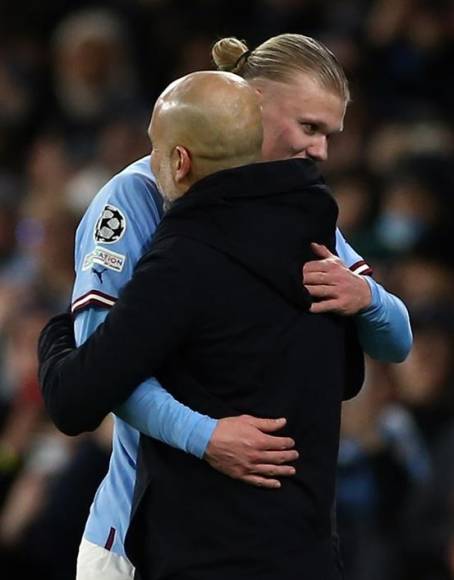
column 227, row 54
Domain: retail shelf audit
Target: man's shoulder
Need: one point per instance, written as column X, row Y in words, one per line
column 133, row 189
column 130, row 198
column 114, row 233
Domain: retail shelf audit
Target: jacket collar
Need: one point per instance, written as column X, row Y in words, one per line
column 255, row 180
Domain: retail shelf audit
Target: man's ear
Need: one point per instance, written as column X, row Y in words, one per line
column 258, row 86
column 183, row 163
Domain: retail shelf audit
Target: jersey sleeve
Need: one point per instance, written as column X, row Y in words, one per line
column 111, row 238
column 147, row 324
column 154, row 412
column 350, row 257
column 384, row 327
column 151, row 409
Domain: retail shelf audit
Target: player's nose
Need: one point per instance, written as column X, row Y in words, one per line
column 318, row 149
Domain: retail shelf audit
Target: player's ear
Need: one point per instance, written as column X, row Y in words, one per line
column 183, row 163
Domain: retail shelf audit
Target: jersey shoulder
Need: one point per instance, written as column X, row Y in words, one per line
column 114, row 233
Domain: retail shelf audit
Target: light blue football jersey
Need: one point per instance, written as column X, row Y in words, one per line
column 114, row 233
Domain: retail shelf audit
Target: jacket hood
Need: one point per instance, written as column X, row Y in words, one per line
column 264, row 217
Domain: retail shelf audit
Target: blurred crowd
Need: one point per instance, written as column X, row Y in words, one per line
column 77, row 85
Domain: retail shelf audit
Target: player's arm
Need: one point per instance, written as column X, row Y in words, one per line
column 110, row 240
column 107, row 248
column 341, row 284
column 151, row 409
column 241, row 446
column 384, row 326
column 85, row 384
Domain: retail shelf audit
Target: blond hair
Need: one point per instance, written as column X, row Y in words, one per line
column 279, row 57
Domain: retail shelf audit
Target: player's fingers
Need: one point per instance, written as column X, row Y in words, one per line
column 268, row 425
column 325, row 306
column 322, row 291
column 316, row 266
column 274, row 470
column 278, row 457
column 321, row 251
column 317, row 278
column 258, row 481
column 274, row 443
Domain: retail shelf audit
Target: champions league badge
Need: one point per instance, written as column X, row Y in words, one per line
column 111, row 225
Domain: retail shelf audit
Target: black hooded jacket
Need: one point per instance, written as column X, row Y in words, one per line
column 217, row 312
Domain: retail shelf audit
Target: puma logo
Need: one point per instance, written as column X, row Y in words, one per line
column 99, row 273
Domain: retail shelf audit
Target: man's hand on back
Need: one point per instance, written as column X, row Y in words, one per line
column 336, row 288
column 242, row 448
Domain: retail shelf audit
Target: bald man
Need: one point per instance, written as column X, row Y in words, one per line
column 216, row 311
column 203, row 123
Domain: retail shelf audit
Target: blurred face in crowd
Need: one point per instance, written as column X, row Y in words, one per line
column 423, row 376
column 298, row 117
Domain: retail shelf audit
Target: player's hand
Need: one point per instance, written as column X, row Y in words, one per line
column 336, row 288
column 242, row 448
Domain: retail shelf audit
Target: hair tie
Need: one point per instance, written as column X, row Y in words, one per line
column 244, row 57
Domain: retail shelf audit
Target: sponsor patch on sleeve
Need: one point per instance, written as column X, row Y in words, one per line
column 106, row 258
column 111, row 225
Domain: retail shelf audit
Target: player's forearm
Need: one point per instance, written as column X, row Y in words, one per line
column 151, row 409
column 80, row 387
column 154, row 412
column 384, row 327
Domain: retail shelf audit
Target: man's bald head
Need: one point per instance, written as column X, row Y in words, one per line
column 211, row 120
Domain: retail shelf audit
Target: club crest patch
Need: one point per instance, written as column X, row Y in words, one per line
column 110, row 226
column 106, row 258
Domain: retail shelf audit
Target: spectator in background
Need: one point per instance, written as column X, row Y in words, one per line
column 94, row 79
column 426, row 280
column 424, row 383
column 414, row 201
column 356, row 193
column 382, row 459
column 427, row 529
column 118, row 144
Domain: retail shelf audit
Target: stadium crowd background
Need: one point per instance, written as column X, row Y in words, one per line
column 77, row 84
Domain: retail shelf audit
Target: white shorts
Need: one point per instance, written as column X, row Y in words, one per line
column 96, row 563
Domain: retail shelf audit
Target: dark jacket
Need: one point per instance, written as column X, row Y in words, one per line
column 217, row 311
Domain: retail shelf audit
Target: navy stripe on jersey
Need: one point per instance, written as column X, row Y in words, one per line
column 92, row 298
column 361, row 267
column 110, row 539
